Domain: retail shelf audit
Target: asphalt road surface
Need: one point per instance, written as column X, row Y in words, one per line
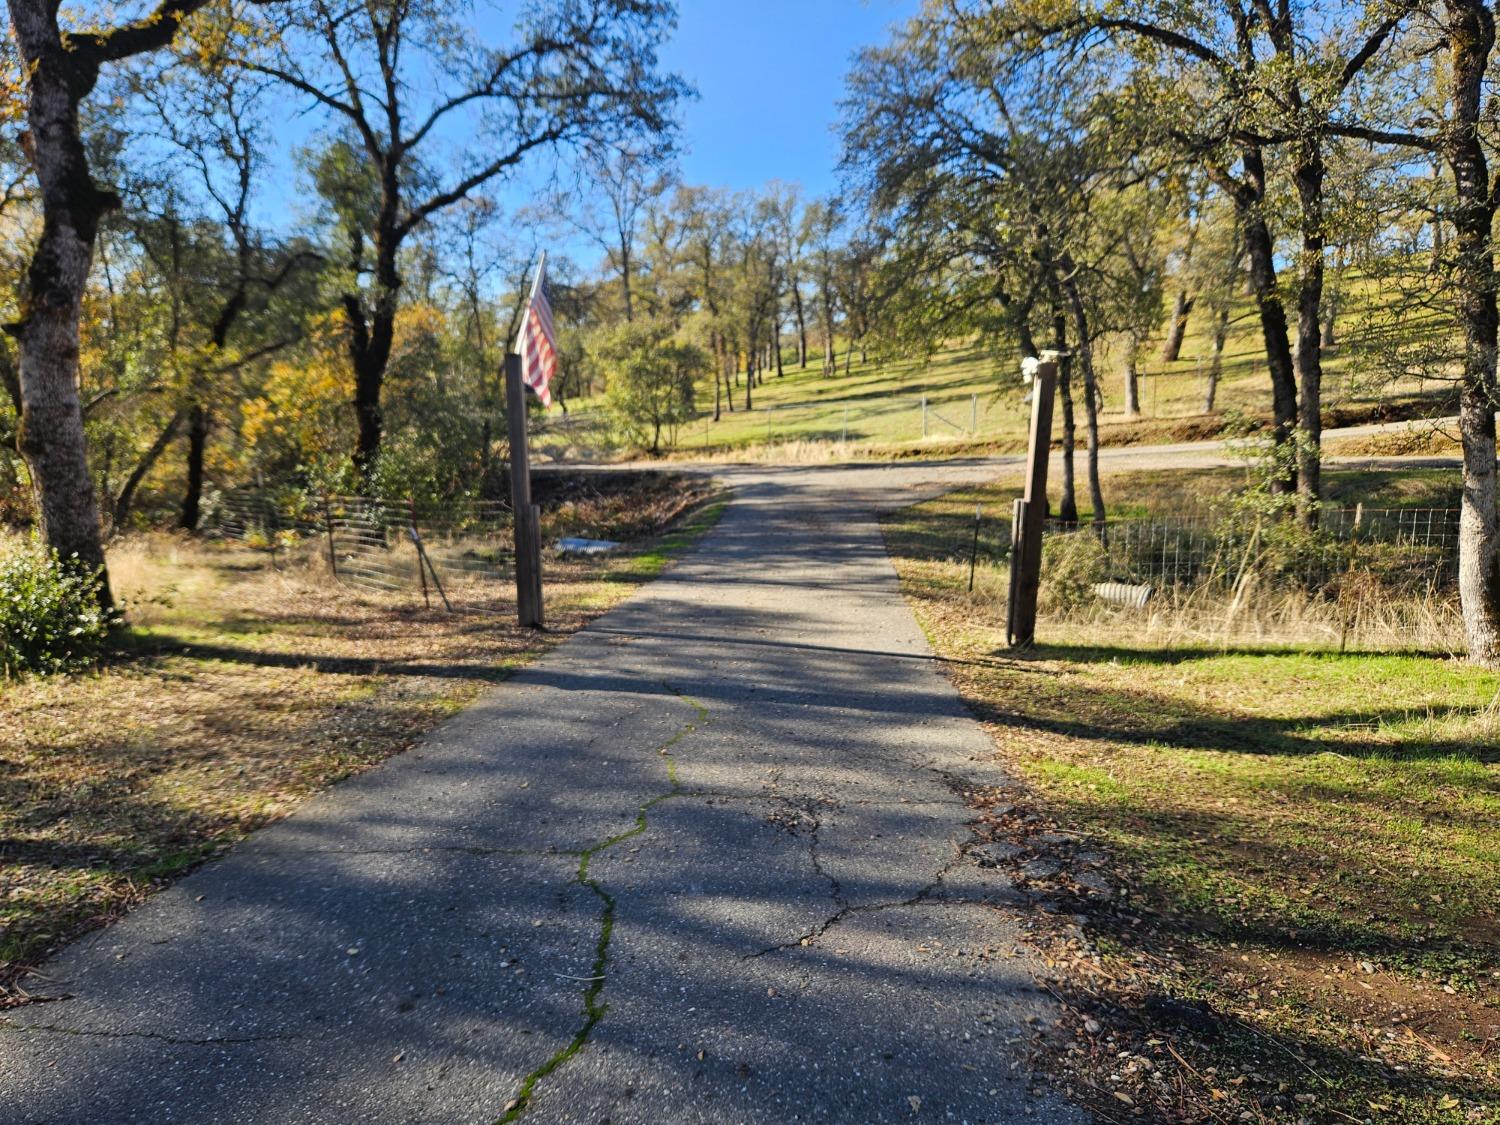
column 706, row 861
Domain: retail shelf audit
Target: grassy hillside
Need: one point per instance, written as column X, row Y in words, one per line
column 974, row 396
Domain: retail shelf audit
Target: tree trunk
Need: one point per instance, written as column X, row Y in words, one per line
column 51, row 424
column 1262, row 254
column 1182, row 307
column 1216, row 363
column 801, row 327
column 369, row 375
column 192, row 500
column 717, row 343
column 830, row 353
column 1132, row 379
column 1084, row 352
column 126, row 497
column 625, row 267
column 1471, row 41
column 371, row 334
column 1308, row 176
column 1027, row 342
column 1067, row 508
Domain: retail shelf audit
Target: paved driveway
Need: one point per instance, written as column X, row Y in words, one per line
column 704, row 862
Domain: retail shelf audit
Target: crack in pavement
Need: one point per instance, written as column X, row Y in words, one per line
column 806, row 805
column 458, row 849
column 847, row 910
column 215, row 1041
column 817, row 862
column 593, row 1008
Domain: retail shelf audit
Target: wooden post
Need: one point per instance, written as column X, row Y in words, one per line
column 424, row 558
column 1031, row 511
column 411, row 527
column 528, row 540
column 1017, row 521
column 333, row 554
column 974, row 549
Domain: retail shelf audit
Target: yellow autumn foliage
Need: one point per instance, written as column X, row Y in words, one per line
column 304, row 399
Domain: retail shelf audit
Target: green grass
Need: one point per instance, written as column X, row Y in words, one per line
column 1278, row 817
column 653, row 559
column 975, row 396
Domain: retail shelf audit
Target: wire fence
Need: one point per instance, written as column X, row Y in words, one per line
column 575, row 436
column 460, row 554
column 1361, row 576
column 1187, row 550
column 883, row 419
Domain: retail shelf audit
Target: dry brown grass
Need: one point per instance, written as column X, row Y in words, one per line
column 240, row 690
column 1415, row 440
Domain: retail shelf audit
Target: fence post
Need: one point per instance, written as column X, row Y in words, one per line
column 924, row 416
column 845, row 439
column 528, row 542
column 1031, row 511
column 974, row 549
column 411, row 527
column 273, row 528
column 422, row 557
column 1359, row 515
column 974, row 415
column 333, row 554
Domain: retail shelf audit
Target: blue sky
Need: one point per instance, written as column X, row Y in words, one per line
column 769, row 76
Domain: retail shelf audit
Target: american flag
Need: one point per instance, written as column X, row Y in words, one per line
column 537, row 343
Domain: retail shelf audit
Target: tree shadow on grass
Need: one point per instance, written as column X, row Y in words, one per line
column 1137, row 715
column 483, row 669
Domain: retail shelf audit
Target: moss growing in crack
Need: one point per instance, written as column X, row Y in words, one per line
column 593, row 1006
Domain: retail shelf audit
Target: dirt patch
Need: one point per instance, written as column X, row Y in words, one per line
column 1159, row 1027
column 1414, row 441
column 1452, row 1025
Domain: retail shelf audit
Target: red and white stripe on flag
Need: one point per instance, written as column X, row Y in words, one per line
column 538, row 339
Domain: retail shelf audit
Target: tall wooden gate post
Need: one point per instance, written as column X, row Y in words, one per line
column 527, row 526
column 1031, row 511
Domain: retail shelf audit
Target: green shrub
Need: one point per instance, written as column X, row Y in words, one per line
column 649, row 392
column 50, row 619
